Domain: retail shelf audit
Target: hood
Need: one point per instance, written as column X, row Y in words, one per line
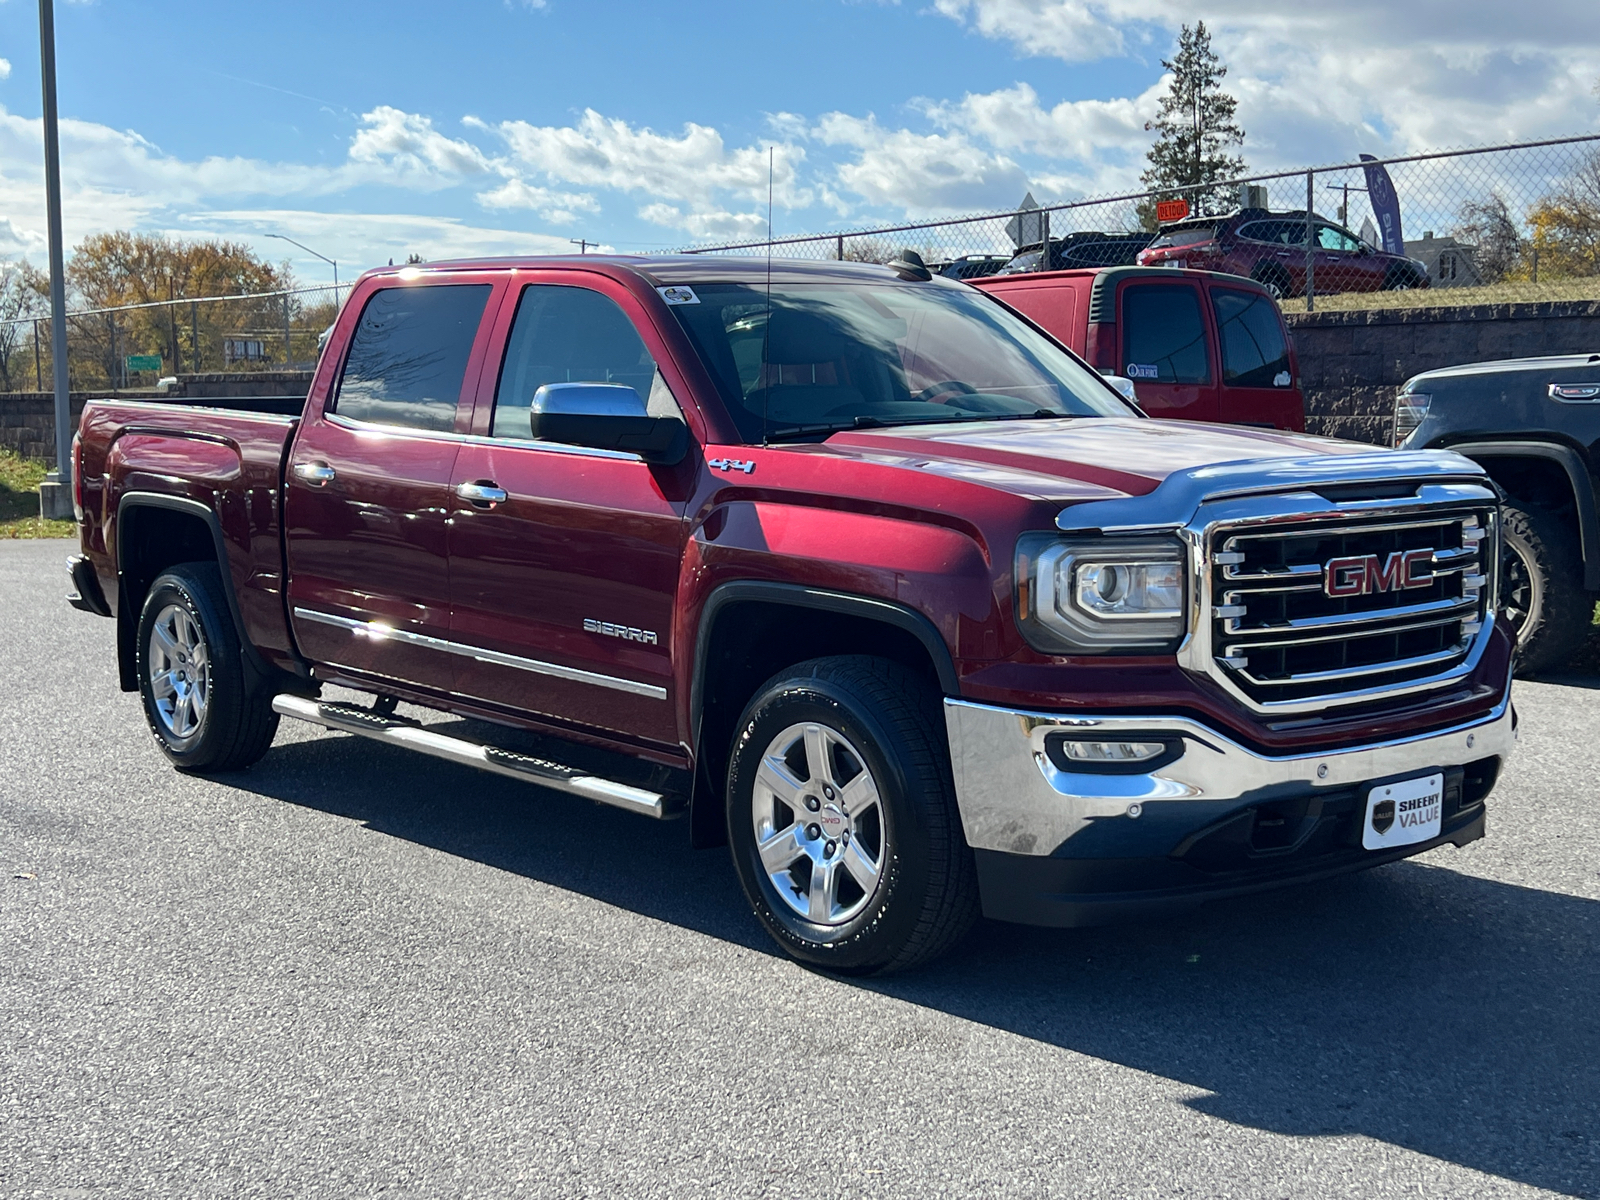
column 1090, row 458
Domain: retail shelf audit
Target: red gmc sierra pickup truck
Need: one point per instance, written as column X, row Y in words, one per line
column 856, row 567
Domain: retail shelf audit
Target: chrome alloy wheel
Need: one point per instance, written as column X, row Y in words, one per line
column 180, row 671
column 1521, row 587
column 819, row 824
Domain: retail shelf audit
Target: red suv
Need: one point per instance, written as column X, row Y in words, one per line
column 1271, row 249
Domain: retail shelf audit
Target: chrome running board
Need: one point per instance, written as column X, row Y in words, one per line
column 398, row 732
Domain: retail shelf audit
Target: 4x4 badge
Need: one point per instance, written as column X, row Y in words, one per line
column 731, row 464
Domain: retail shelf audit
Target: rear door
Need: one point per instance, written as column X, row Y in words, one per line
column 1258, row 380
column 1166, row 348
column 367, row 488
column 565, row 589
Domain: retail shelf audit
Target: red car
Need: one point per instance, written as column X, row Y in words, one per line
column 1198, row 346
column 1270, row 248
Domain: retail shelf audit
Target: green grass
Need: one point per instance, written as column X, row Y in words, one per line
column 1510, row 292
column 19, row 500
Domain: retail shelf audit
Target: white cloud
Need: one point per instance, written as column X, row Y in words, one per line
column 410, row 146
column 5, row 68
column 1069, row 29
column 560, row 207
column 921, row 174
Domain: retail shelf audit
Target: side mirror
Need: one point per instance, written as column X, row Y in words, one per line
column 1124, row 387
column 606, row 416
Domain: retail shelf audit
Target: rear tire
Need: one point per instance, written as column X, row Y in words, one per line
column 192, row 677
column 1541, row 589
column 1275, row 280
column 1401, row 279
column 842, row 817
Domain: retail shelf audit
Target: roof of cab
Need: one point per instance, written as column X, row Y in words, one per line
column 663, row 269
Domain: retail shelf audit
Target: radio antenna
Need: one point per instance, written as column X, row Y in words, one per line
column 766, row 326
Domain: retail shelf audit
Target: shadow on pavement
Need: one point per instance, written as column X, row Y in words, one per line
column 1453, row 1016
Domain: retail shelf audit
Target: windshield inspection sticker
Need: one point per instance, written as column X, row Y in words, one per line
column 1281, row 379
column 1143, row 371
column 679, row 295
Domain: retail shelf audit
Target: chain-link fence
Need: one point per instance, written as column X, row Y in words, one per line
column 1486, row 225
column 137, row 345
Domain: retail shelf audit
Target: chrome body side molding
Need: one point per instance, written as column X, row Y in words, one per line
column 382, row 632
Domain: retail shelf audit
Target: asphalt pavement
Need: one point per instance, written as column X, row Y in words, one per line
column 350, row 971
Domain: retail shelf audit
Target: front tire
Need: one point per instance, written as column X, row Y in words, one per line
column 1541, row 589
column 842, row 817
column 192, row 678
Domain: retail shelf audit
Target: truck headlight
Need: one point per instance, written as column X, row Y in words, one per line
column 1410, row 410
column 1101, row 595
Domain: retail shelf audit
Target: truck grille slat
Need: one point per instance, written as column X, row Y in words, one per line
column 1306, row 609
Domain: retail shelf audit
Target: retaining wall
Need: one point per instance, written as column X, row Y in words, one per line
column 1352, row 363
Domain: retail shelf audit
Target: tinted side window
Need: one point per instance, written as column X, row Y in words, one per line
column 1163, row 335
column 1254, row 353
column 1279, row 233
column 572, row 335
column 409, row 355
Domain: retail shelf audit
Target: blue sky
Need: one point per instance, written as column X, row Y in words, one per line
column 370, row 129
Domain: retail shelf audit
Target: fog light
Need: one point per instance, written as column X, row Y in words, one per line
column 1112, row 752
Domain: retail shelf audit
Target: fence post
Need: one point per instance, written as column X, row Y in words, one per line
column 841, row 248
column 1311, row 244
column 194, row 336
column 38, row 365
column 111, row 322
column 1044, row 239
column 288, row 353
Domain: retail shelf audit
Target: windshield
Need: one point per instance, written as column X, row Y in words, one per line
column 1184, row 237
column 833, row 356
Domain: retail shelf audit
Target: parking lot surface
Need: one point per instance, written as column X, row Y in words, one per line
column 349, row 971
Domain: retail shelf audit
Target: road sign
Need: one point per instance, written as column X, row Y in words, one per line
column 1171, row 210
column 1027, row 227
column 143, row 362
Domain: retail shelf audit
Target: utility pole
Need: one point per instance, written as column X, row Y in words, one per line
column 582, row 244
column 55, row 493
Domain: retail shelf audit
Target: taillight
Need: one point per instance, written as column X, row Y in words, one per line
column 76, row 459
column 1100, row 346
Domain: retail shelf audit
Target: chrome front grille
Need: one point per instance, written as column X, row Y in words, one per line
column 1306, row 610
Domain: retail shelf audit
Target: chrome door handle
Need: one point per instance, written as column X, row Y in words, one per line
column 485, row 494
column 314, row 473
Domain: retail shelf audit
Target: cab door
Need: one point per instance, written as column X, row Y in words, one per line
column 1259, row 382
column 1166, row 348
column 368, row 480
column 564, row 561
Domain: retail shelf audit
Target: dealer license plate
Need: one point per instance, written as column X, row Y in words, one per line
column 1400, row 814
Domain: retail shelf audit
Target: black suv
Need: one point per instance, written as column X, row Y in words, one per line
column 1084, row 249
column 1534, row 425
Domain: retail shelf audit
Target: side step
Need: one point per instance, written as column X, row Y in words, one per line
column 399, row 732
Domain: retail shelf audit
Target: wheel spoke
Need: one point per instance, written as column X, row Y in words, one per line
column 819, row 758
column 862, row 869
column 164, row 640
column 860, row 795
column 779, row 851
column 823, row 882
column 162, row 686
column 773, row 774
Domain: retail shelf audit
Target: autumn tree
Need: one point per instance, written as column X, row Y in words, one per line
column 24, row 297
column 1195, row 129
column 1566, row 224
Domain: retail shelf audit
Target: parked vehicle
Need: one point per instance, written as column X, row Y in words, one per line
column 851, row 564
column 1533, row 425
column 970, row 266
column 1198, row 346
column 1270, row 248
column 1083, row 249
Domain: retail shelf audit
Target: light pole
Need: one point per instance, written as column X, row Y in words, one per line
column 334, row 263
column 55, row 495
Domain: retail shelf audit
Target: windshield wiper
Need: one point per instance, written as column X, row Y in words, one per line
column 785, row 432
column 866, row 422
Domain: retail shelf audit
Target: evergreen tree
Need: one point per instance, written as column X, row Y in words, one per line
column 1195, row 129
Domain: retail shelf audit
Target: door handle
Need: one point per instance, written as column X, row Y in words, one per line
column 482, row 494
column 315, row 473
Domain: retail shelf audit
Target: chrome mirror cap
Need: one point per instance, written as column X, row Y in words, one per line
column 588, row 400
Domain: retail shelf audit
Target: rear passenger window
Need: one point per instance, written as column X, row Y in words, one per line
column 1254, row 351
column 1163, row 335
column 565, row 334
column 409, row 355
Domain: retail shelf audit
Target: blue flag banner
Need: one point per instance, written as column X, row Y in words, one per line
column 1385, row 205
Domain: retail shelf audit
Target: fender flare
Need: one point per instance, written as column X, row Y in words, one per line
column 705, row 814
column 128, row 621
column 1582, row 490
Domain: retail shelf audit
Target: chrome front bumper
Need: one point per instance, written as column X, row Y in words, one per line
column 1014, row 799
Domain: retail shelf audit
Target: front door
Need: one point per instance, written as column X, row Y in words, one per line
column 368, row 483
column 564, row 561
column 1166, row 349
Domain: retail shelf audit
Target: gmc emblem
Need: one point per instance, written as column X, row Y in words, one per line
column 1363, row 575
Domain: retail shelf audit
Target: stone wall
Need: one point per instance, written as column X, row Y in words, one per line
column 1352, row 363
